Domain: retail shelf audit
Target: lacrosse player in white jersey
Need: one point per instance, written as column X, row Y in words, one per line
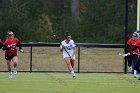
column 67, row 46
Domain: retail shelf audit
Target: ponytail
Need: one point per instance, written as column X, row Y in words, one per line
column 67, row 34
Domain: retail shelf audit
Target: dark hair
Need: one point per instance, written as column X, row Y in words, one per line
column 67, row 34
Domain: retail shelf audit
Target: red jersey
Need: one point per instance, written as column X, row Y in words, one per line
column 131, row 42
column 11, row 46
column 138, row 45
column 0, row 41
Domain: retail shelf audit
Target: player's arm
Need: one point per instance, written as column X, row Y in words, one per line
column 134, row 48
column 1, row 44
column 74, row 50
column 5, row 47
column 128, row 50
column 61, row 47
column 20, row 47
column 127, row 47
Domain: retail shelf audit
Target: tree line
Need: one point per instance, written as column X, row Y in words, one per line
column 92, row 21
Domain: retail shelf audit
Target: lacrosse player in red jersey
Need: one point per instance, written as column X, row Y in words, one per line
column 133, row 57
column 9, row 46
column 137, row 46
column 68, row 48
column 1, row 44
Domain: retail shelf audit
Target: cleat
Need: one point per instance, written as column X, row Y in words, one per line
column 14, row 71
column 10, row 75
column 74, row 75
column 135, row 76
column 139, row 78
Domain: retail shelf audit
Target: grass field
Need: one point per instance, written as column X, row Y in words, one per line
column 64, row 83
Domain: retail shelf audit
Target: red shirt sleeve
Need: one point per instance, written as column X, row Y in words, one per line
column 17, row 40
column 0, row 41
column 138, row 43
column 129, row 42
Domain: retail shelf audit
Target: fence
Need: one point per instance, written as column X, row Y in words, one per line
column 90, row 57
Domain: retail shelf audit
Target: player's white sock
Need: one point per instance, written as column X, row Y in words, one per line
column 73, row 74
column 10, row 75
column 14, row 70
column 130, row 68
column 135, row 73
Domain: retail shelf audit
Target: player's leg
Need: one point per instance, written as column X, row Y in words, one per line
column 135, row 58
column 129, row 59
column 15, row 62
column 9, row 68
column 136, row 66
column 68, row 63
column 72, row 63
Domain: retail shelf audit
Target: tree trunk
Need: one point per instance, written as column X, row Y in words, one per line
column 75, row 4
column 134, row 4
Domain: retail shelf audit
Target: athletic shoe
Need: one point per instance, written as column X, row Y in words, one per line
column 14, row 71
column 10, row 75
column 139, row 78
column 74, row 75
column 135, row 76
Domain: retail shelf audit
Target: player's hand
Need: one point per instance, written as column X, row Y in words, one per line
column 21, row 50
column 8, row 46
column 72, row 58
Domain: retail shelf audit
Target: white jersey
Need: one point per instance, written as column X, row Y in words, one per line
column 68, row 47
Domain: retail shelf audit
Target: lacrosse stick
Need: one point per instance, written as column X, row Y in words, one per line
column 61, row 44
column 124, row 55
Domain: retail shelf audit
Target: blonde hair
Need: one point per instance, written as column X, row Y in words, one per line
column 9, row 32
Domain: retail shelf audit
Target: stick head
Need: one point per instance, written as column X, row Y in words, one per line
column 22, row 51
column 124, row 55
column 120, row 54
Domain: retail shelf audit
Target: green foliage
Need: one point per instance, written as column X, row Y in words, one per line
column 99, row 21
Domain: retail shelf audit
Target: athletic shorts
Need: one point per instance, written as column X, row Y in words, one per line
column 68, row 56
column 9, row 57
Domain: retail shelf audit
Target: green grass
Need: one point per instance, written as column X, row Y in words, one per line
column 64, row 83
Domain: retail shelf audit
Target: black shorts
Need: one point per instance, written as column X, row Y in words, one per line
column 9, row 57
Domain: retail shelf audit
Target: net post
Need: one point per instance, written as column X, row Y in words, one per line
column 31, row 59
column 78, row 59
column 138, row 14
column 126, row 31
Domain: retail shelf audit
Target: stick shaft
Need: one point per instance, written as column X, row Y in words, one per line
column 63, row 47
